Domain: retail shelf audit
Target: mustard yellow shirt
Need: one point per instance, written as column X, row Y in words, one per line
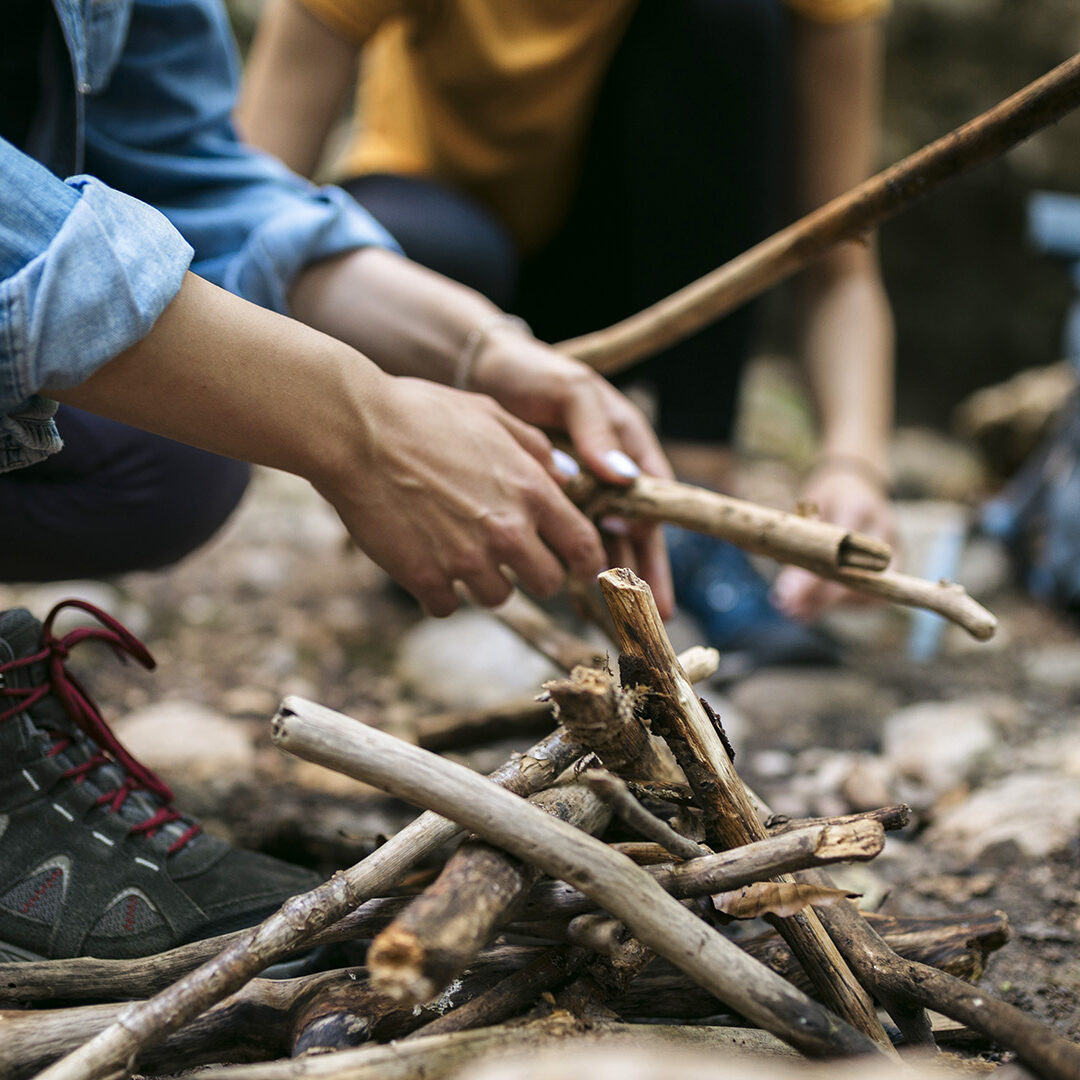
column 491, row 96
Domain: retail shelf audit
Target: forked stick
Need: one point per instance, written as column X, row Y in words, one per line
column 826, row 550
column 847, row 217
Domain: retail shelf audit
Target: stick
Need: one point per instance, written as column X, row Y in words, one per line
column 617, row 795
column 467, row 727
column 847, row 217
column 648, row 659
column 142, row 1024
column 816, row 845
column 893, row 979
column 441, row 931
column 600, row 714
column 790, row 538
column 825, row 549
column 660, row 923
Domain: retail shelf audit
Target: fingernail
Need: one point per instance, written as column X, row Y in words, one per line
column 619, row 463
column 564, row 463
column 616, row 526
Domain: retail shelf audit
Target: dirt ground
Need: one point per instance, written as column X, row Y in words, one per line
column 279, row 604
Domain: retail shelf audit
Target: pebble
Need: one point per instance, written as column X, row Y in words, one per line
column 1036, row 812
column 188, row 741
column 470, row 660
column 938, row 744
column 1055, row 666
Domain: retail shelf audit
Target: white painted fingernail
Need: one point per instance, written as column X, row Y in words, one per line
column 618, row 462
column 565, row 464
column 616, row 526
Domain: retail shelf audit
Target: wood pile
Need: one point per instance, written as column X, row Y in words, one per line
column 584, row 910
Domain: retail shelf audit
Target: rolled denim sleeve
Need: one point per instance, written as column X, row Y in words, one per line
column 85, row 271
column 162, row 130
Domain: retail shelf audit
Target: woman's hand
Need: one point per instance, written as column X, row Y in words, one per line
column 853, row 498
column 609, row 433
column 445, row 486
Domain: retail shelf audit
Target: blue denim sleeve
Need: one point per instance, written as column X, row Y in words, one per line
column 162, row 131
column 85, row 271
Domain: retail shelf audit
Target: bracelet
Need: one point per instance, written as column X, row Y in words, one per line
column 475, row 338
column 853, row 463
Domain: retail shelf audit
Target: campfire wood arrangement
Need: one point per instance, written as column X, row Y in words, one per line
column 603, row 863
column 538, row 930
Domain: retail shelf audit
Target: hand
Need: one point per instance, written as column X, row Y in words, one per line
column 844, row 497
column 447, row 486
column 611, row 435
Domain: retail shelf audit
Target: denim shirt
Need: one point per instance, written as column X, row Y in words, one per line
column 137, row 116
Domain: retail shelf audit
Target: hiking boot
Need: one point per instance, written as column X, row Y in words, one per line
column 717, row 584
column 94, row 860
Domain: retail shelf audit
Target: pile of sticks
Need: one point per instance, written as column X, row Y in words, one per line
column 587, row 899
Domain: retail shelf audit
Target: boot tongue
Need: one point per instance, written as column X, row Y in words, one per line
column 20, row 637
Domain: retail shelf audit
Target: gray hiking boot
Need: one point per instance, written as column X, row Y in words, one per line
column 94, row 860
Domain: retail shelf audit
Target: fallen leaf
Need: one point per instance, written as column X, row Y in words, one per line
column 781, row 898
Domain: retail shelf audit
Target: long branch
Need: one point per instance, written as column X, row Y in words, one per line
column 847, row 217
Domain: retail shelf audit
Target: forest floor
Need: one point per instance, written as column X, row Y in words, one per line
column 981, row 740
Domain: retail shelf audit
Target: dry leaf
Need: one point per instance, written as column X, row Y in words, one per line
column 781, row 898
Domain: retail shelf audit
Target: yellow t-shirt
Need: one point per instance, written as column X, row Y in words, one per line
column 491, row 96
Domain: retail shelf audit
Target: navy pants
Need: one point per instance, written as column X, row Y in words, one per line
column 683, row 170
column 114, row 499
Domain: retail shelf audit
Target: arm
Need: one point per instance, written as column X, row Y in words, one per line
column 412, row 321
column 436, row 485
column 297, row 76
column 847, row 328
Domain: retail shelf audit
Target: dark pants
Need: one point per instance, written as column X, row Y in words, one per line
column 681, row 173
column 114, row 499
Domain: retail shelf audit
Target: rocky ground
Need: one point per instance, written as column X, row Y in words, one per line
column 981, row 740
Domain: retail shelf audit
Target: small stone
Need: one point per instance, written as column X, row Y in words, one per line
column 188, row 741
column 869, row 784
column 1054, row 667
column 938, row 744
column 470, row 660
column 250, row 701
column 1035, row 812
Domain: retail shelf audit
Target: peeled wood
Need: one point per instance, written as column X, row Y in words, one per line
column 142, row 1024
column 437, row 1056
column 627, row 892
column 846, row 218
column 648, row 660
column 467, row 727
column 762, row 530
column 477, row 893
column 824, row 549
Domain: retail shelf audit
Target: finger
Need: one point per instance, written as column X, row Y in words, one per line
column 531, row 439
column 488, row 588
column 536, row 568
column 597, row 440
column 571, row 536
column 438, row 599
column 651, row 555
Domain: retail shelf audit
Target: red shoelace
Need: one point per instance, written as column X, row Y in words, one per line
column 84, row 713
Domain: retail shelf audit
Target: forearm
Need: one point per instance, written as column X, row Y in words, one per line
column 848, row 354
column 233, row 378
column 408, row 319
column 296, row 78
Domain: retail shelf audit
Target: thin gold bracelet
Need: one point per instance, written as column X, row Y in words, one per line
column 853, row 463
column 475, row 338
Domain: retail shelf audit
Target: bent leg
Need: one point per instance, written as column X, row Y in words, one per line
column 114, row 499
